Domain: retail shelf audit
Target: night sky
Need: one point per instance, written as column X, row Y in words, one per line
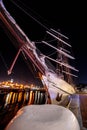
column 69, row 17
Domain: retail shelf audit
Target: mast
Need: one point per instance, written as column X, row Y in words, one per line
column 59, row 67
column 64, row 72
column 62, row 67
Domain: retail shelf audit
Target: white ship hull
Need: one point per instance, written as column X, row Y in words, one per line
column 57, row 86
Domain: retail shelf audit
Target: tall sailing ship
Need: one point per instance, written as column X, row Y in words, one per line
column 53, row 77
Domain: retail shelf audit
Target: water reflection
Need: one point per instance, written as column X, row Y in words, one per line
column 13, row 96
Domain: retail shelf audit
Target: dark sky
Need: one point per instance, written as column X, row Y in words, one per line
column 69, row 17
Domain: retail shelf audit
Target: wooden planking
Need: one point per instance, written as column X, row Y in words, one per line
column 83, row 107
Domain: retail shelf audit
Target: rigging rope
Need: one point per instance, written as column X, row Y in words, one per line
column 3, row 60
column 52, row 53
column 35, row 19
column 29, row 15
column 27, row 7
column 46, row 41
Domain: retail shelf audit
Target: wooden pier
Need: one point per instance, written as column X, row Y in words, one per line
column 83, row 108
column 78, row 106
